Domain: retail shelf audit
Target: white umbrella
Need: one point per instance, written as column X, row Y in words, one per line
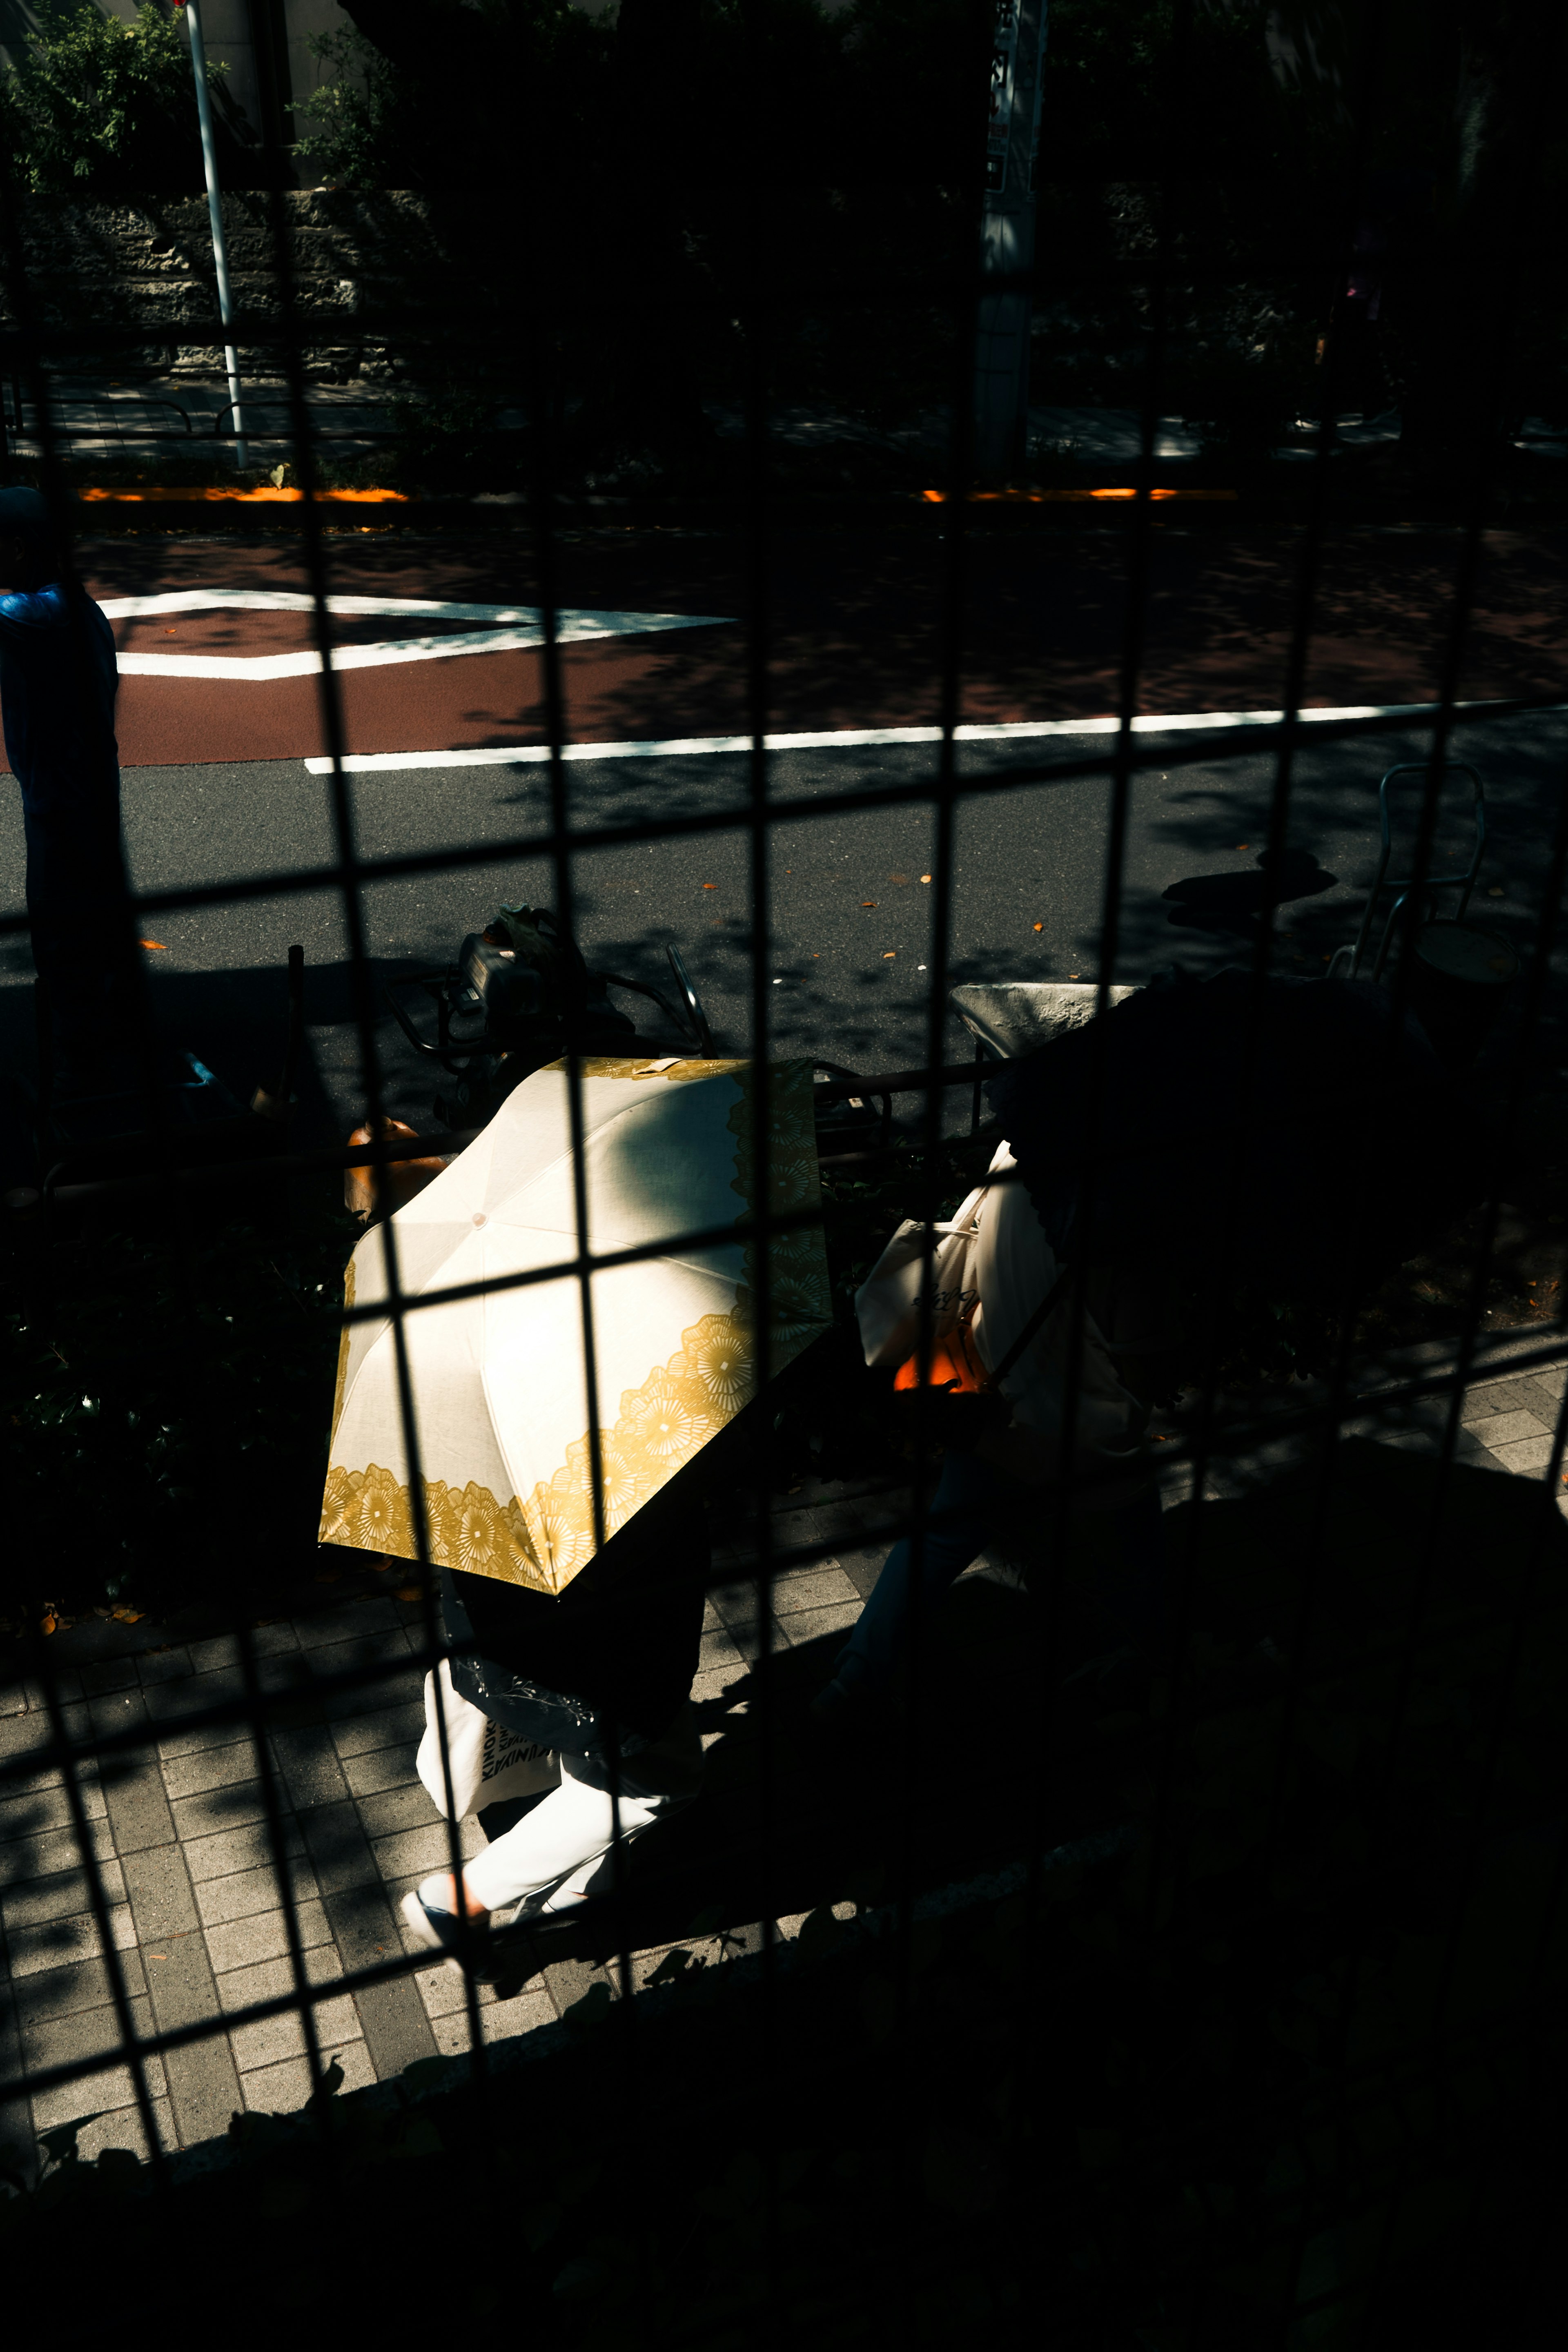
column 499, row 1391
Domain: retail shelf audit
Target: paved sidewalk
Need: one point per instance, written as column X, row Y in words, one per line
column 152, row 419
column 178, row 1827
column 180, row 1832
column 1506, row 1423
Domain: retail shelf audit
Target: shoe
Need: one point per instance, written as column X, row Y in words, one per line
column 435, row 1930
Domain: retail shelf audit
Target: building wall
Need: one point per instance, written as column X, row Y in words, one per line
column 265, row 44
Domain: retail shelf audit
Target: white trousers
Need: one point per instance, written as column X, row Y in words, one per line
column 565, row 1841
column 560, row 1845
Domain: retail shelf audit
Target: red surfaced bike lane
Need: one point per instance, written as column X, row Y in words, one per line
column 855, row 631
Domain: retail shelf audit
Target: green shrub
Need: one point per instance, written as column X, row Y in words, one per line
column 102, row 105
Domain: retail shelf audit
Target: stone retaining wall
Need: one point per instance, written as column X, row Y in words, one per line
column 147, row 264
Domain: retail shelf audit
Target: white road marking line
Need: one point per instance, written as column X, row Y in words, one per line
column 849, row 738
column 512, row 627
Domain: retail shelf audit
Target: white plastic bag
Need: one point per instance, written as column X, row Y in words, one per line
column 489, row 1763
column 888, row 1302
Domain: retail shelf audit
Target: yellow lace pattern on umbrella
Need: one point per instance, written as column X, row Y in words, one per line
column 373, row 1510
column 549, row 1540
column 614, row 1066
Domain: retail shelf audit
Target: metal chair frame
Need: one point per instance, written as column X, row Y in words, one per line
column 1464, row 882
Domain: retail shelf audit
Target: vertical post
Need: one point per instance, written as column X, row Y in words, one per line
column 1007, row 236
column 215, row 216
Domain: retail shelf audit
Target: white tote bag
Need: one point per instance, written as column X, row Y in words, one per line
column 888, row 1302
column 489, row 1763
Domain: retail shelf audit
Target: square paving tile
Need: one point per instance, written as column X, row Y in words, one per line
column 412, row 1855
column 358, row 1621
column 266, row 1980
column 720, row 1650
column 247, row 1846
column 120, row 2127
column 1501, row 1429
column 1526, row 1456
column 444, row 1993
column 498, row 2022
column 811, row 1624
column 266, row 1642
column 66, row 1943
column 210, row 1768
column 1487, row 1400
column 163, row 1665
column 73, row 2038
column 211, row 1813
column 272, row 2038
column 89, row 2093
column 62, row 1992
column 384, row 1768
column 263, row 1937
column 241, row 1893
column 309, row 1766
column 59, row 1895
column 36, row 1857
column 387, row 1810
column 285, row 2085
column 110, row 1674
column 825, row 1587
column 21, row 1735
column 168, row 1703
column 402, row 1725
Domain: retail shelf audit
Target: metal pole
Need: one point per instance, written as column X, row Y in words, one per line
column 1007, row 236
column 214, row 215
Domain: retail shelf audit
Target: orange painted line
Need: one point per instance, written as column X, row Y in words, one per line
column 268, row 497
column 1041, row 497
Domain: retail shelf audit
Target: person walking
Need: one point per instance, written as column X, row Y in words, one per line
column 999, row 1468
column 59, row 679
column 599, row 1677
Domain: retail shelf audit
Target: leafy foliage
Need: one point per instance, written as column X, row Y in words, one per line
column 103, row 105
column 166, row 1398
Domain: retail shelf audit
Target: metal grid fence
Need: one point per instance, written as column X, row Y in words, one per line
column 1422, row 2066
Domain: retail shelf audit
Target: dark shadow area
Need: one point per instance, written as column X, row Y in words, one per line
column 1072, row 1733
column 234, row 1021
column 1358, row 1808
column 1231, row 903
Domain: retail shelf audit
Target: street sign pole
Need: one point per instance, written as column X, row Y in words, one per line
column 214, row 218
column 1007, row 237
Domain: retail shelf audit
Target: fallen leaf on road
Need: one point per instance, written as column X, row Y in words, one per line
column 1244, row 844
column 1039, row 926
column 925, row 877
column 156, row 944
column 898, row 877
column 888, row 953
column 409, row 1592
column 868, row 902
column 47, row 1625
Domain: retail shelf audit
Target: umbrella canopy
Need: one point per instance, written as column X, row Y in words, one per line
column 500, row 1386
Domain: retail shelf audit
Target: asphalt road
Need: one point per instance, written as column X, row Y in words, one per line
column 847, row 979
